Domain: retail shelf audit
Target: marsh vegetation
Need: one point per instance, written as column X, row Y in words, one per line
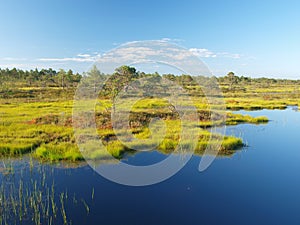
column 37, row 127
column 36, row 110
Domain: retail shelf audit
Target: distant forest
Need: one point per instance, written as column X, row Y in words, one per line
column 12, row 78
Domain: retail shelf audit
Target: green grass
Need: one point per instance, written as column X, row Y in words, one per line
column 234, row 119
column 45, row 130
column 43, row 125
column 231, row 143
column 57, row 152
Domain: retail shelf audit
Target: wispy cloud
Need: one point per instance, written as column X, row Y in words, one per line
column 12, row 59
column 84, row 55
column 229, row 55
column 205, row 53
column 81, row 57
column 173, row 40
column 140, row 52
column 165, row 39
column 134, row 51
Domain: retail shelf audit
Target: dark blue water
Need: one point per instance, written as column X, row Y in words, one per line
column 258, row 185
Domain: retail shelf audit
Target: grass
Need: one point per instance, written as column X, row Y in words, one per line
column 29, row 195
column 234, row 119
column 42, row 124
column 57, row 152
column 231, row 143
column 45, row 130
column 37, row 122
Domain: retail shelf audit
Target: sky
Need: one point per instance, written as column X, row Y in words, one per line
column 251, row 38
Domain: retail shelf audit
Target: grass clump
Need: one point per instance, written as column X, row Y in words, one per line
column 231, row 143
column 116, row 149
column 7, row 149
column 58, row 152
column 234, row 119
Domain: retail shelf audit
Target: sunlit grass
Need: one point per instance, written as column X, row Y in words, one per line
column 45, row 130
column 57, row 152
column 44, row 127
column 233, row 119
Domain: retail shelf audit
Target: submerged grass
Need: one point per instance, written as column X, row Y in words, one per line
column 29, row 195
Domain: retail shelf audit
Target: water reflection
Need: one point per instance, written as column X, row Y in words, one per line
column 31, row 191
column 257, row 185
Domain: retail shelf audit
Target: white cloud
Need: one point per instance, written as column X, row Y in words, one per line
column 162, row 51
column 229, row 55
column 79, row 58
column 73, row 59
column 12, row 59
column 130, row 50
column 26, row 66
column 173, row 40
column 133, row 53
column 205, row 53
column 13, row 65
column 166, row 39
column 84, row 55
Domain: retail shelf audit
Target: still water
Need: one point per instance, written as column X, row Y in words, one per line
column 260, row 184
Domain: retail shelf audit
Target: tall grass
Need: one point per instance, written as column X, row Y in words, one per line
column 29, row 195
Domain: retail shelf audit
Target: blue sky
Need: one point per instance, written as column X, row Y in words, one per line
column 252, row 38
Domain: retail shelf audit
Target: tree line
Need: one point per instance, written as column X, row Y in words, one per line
column 39, row 78
column 122, row 75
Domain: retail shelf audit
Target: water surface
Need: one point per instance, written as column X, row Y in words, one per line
column 258, row 185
